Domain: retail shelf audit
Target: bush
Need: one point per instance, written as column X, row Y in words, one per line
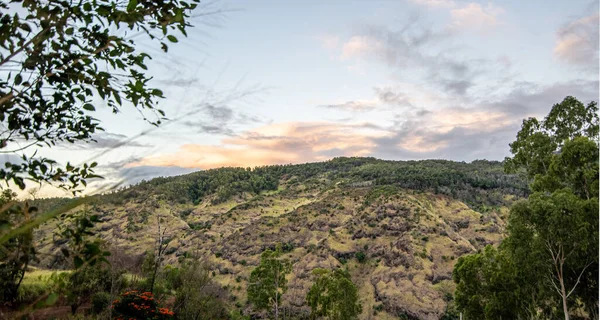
column 361, row 257
column 196, row 295
column 100, row 301
column 136, row 305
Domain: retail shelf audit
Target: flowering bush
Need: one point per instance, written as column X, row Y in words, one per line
column 139, row 305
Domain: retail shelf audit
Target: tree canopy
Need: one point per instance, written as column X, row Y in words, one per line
column 267, row 281
column 60, row 60
column 333, row 295
column 548, row 264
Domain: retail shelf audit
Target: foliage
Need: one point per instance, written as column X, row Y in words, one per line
column 548, row 264
column 100, row 301
column 139, row 305
column 497, row 296
column 360, row 256
column 196, row 295
column 85, row 282
column 480, row 183
column 57, row 57
column 80, row 244
column 333, row 295
column 267, row 281
column 18, row 251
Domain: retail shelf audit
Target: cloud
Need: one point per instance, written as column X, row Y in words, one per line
column 577, row 42
column 133, row 175
column 528, row 99
column 460, row 129
column 474, row 16
column 329, row 41
column 294, row 142
column 435, row 3
column 354, row 106
column 389, row 96
column 482, row 130
column 218, row 120
column 404, row 95
column 361, row 45
column 105, row 140
column 179, row 82
column 420, row 52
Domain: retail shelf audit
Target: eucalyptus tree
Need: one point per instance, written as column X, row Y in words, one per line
column 267, row 281
column 551, row 250
column 333, row 295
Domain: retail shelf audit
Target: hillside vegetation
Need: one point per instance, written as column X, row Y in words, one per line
column 398, row 226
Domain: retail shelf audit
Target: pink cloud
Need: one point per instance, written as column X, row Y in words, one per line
column 300, row 142
column 294, row 142
column 577, row 42
column 360, row 45
column 474, row 15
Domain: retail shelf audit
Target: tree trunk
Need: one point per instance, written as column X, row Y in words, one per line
column 564, row 298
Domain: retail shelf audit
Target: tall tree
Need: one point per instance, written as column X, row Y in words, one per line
column 333, row 295
column 267, row 281
column 552, row 242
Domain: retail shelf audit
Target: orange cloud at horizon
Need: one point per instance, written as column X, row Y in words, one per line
column 301, row 142
column 281, row 143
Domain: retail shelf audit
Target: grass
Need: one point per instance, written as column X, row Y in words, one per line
column 35, row 284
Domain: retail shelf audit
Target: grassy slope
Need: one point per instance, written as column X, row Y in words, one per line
column 411, row 238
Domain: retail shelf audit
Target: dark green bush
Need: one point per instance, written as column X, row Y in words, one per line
column 360, row 256
column 100, row 301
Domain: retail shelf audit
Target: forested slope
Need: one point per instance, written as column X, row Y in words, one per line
column 399, row 226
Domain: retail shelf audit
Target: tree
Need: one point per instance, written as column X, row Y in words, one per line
column 197, row 296
column 559, row 220
column 551, row 251
column 486, row 286
column 59, row 60
column 333, row 295
column 157, row 257
column 267, row 281
column 17, row 252
column 58, row 57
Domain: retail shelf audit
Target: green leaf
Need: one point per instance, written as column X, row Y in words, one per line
column 172, row 38
column 18, row 79
column 89, row 107
column 52, row 298
column 131, row 6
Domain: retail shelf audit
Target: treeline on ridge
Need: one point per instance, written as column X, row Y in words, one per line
column 480, row 184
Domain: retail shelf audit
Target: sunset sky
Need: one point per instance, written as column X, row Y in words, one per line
column 277, row 82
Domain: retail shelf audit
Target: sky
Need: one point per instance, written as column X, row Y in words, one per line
column 277, row 82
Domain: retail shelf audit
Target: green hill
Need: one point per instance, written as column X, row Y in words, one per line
column 399, row 226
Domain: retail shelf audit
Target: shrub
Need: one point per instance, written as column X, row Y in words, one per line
column 136, row 305
column 287, row 247
column 197, row 296
column 360, row 256
column 100, row 301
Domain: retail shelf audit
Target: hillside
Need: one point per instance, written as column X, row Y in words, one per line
column 410, row 220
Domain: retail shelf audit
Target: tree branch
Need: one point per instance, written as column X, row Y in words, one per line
column 579, row 278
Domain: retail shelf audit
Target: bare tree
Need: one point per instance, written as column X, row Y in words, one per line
column 162, row 242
